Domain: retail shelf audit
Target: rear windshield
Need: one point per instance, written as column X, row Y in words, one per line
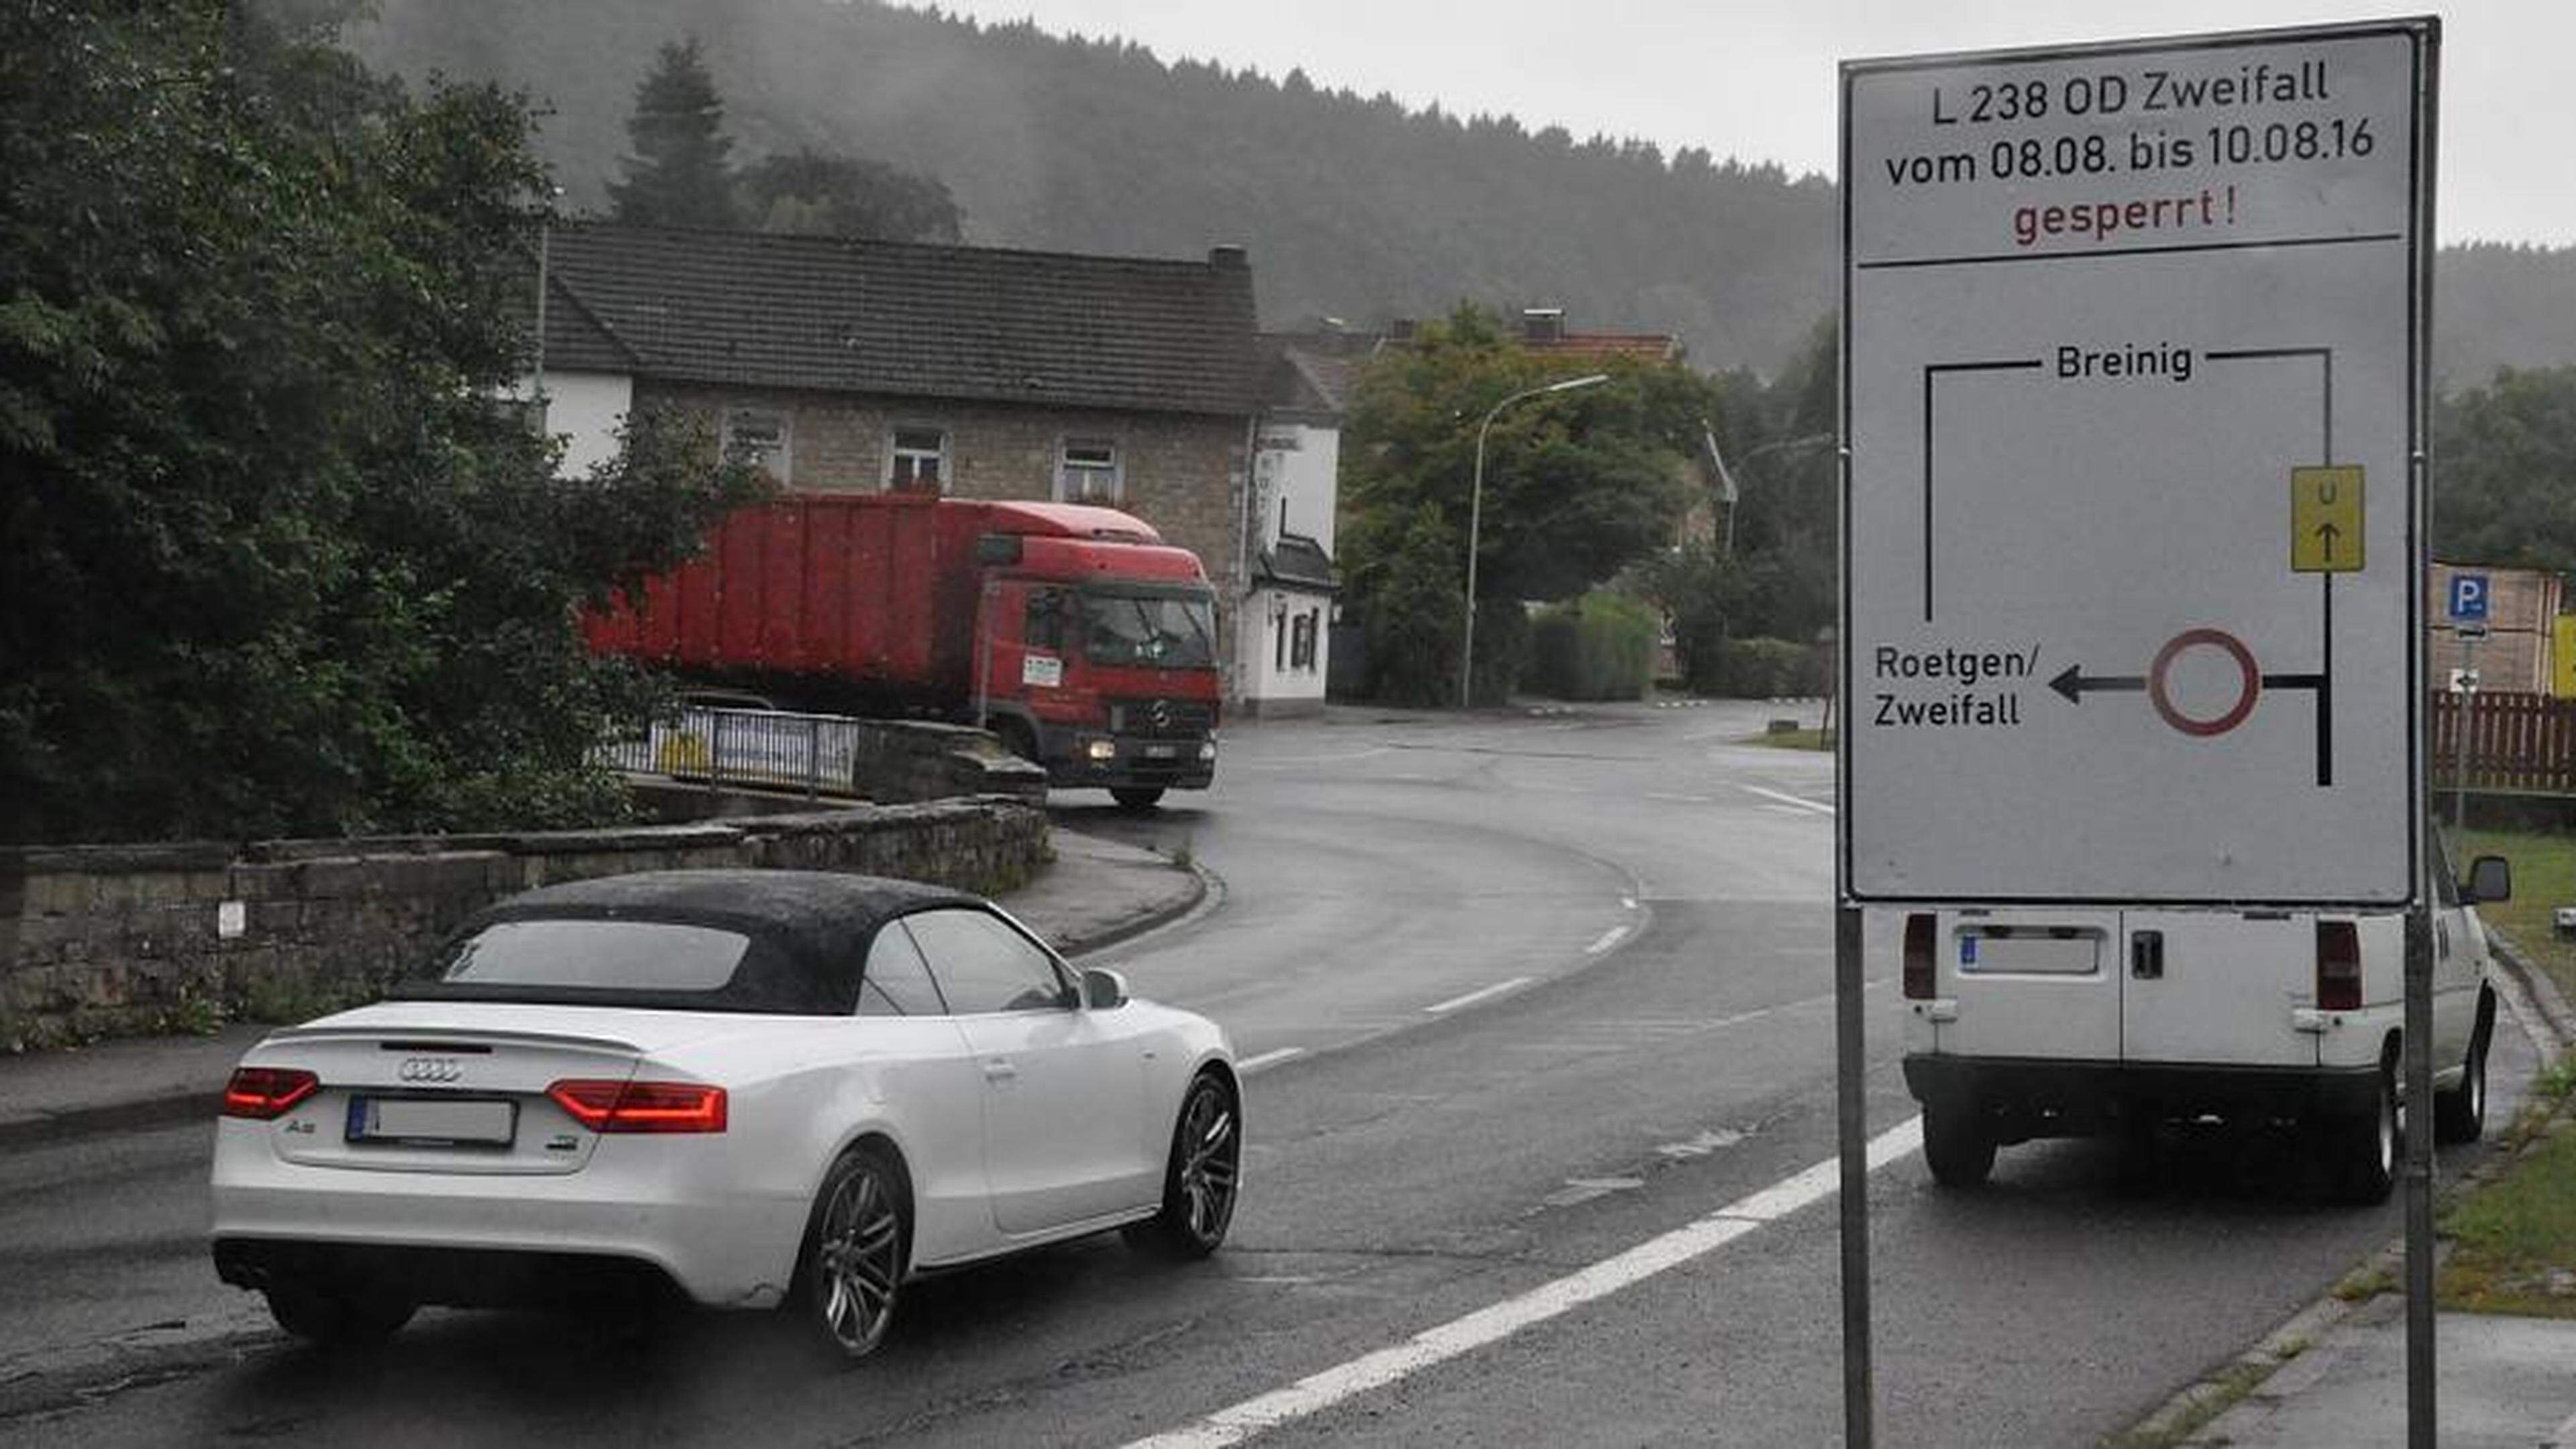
column 622, row 961
column 629, row 955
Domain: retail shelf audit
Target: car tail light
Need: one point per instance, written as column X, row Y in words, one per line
column 1918, row 956
column 606, row 1106
column 2338, row 966
column 264, row 1093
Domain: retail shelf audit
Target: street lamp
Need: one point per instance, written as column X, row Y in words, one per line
column 1476, row 518
column 1727, row 493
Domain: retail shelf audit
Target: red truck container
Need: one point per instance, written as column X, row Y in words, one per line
column 1072, row 632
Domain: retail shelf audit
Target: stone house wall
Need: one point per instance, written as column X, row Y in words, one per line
column 117, row 940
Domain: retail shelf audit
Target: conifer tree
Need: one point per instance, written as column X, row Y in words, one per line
column 678, row 174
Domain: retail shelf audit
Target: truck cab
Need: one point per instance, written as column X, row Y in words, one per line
column 1107, row 676
column 2033, row 1022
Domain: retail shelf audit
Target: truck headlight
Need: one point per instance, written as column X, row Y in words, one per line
column 1101, row 749
column 1207, row 749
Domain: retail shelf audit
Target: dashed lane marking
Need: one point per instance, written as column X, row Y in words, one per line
column 1489, row 1325
column 1482, row 993
column 1268, row 1059
column 1789, row 799
column 1606, row 940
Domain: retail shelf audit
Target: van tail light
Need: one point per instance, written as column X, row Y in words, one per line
column 608, row 1106
column 2338, row 966
column 264, row 1094
column 1918, row 956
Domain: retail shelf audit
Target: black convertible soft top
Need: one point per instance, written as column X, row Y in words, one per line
column 809, row 934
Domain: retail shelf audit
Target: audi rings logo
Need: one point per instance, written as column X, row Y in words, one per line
column 1161, row 714
column 430, row 1069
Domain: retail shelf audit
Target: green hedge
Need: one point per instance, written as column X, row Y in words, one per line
column 1601, row 646
column 1765, row 669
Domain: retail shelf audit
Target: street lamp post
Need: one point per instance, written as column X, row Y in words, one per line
column 1726, row 478
column 1476, row 518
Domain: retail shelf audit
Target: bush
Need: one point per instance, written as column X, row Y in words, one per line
column 1765, row 669
column 1601, row 646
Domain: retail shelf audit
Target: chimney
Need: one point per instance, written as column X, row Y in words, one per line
column 1543, row 324
column 1229, row 258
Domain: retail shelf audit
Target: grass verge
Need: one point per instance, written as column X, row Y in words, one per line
column 2544, row 876
column 1793, row 740
column 2514, row 1239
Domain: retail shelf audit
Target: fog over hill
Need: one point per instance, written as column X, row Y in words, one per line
column 1352, row 207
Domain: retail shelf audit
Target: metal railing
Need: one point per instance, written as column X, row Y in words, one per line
column 815, row 753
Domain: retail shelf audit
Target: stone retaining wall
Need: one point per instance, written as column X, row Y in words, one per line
column 120, row 940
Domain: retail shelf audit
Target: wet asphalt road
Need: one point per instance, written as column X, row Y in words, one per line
column 1530, row 991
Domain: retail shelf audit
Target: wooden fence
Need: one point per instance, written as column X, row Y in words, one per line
column 2518, row 743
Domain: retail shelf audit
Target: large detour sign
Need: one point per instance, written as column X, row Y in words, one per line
column 2134, row 402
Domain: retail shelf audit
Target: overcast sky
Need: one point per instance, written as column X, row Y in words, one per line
column 1756, row 80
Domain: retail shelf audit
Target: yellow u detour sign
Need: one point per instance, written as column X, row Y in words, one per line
column 2325, row 520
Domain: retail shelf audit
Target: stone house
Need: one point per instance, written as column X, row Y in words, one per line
column 844, row 364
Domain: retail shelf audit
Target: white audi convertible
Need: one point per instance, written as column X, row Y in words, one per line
column 759, row 1088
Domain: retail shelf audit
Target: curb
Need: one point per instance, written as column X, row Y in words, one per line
column 2550, row 1010
column 1207, row 889
column 2536, row 1000
column 53, row 1128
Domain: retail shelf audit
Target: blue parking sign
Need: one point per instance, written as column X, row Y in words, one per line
column 2469, row 598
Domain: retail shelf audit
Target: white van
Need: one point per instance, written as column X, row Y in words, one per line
column 2024, row 1023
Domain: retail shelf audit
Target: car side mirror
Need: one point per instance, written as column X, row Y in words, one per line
column 2490, row 879
column 1103, row 989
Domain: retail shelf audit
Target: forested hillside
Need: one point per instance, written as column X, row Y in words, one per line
column 1352, row 207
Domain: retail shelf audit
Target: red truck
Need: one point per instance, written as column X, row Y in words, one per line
column 1074, row 633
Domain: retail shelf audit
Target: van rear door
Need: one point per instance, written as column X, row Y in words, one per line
column 2036, row 983
column 2217, row 987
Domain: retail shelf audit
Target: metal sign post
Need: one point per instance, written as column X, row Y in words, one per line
column 2135, row 410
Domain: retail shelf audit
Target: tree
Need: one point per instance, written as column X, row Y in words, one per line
column 679, row 174
column 278, row 564
column 2505, row 471
column 814, row 194
column 1575, row 485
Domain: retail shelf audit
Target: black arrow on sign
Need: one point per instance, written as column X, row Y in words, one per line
column 2075, row 682
column 2328, row 533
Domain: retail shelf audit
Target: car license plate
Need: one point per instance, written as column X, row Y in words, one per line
column 480, row 1121
column 1158, row 752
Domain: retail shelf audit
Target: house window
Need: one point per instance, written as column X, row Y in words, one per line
column 1301, row 644
column 761, row 439
column 1086, row 471
column 917, row 460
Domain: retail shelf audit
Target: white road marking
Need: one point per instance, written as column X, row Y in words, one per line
column 1268, row 1059
column 1482, row 993
column 1608, row 939
column 1680, row 799
column 1702, row 1145
column 1789, row 799
column 1579, row 1190
column 1496, row 1322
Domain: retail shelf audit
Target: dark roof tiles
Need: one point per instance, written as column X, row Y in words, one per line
column 844, row 315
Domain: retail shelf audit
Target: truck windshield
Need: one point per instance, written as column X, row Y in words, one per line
column 1167, row 631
